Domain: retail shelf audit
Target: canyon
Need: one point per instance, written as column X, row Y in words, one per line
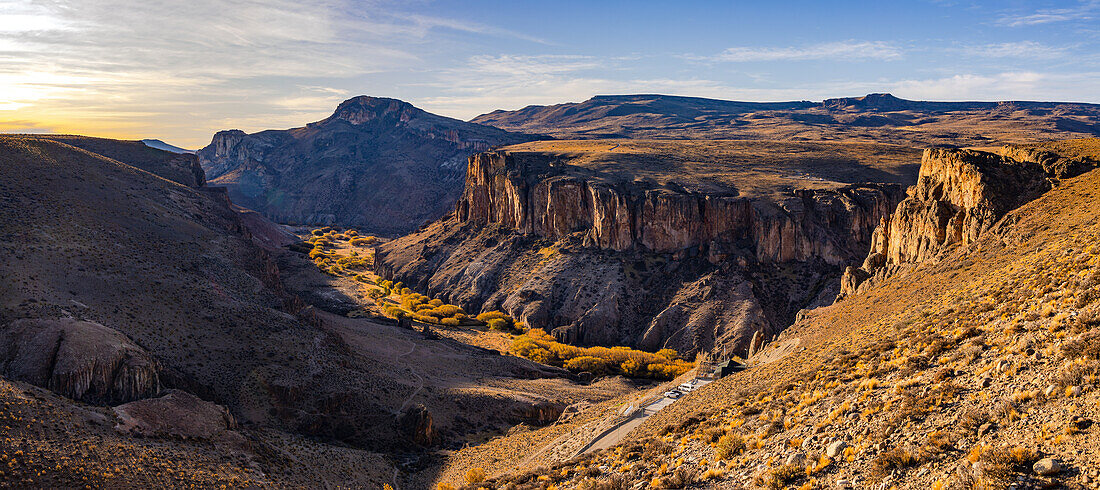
column 146, row 314
column 643, row 244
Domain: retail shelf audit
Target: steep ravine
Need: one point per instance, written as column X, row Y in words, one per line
column 638, row 263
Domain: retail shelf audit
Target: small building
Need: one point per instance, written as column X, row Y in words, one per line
column 728, row 367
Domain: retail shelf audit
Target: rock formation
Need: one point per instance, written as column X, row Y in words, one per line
column 416, row 424
column 81, row 360
column 959, row 195
column 529, row 194
column 597, row 261
column 378, row 163
column 176, row 413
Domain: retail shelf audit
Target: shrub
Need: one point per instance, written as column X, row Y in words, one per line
column 450, row 322
column 500, row 324
column 634, row 368
column 892, row 459
column 475, row 476
column 1086, row 345
column 729, row 446
column 784, row 474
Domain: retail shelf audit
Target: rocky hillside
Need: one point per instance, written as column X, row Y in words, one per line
column 377, row 163
column 642, row 244
column 148, row 322
column 180, row 168
column 875, row 117
column 975, row 370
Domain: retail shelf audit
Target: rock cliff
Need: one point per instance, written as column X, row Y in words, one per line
column 532, row 194
column 959, row 195
column 641, row 263
column 377, row 163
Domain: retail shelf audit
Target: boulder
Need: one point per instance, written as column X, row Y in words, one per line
column 82, row 360
column 1047, row 467
column 836, row 448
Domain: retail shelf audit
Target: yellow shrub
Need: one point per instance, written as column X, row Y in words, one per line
column 475, row 476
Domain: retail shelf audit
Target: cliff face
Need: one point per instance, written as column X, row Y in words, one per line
column 635, row 262
column 960, row 194
column 528, row 194
column 377, row 163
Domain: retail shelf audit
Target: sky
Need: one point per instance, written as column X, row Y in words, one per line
column 182, row 70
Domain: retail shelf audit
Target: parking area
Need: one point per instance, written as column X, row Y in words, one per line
column 616, row 434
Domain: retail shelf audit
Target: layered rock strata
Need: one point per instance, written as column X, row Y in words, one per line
column 533, row 194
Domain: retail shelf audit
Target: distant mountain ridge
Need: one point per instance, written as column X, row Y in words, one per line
column 376, row 162
column 880, row 118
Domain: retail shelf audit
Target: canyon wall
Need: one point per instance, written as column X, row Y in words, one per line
column 959, row 195
column 529, row 194
column 596, row 260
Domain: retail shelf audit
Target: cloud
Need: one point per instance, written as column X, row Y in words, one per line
column 116, row 66
column 1084, row 11
column 842, row 51
column 1016, row 85
column 426, row 23
column 1023, row 49
column 513, row 81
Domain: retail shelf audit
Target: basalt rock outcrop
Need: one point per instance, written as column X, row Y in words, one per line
column 81, row 360
column 377, row 163
column 534, row 194
column 959, row 195
column 613, row 262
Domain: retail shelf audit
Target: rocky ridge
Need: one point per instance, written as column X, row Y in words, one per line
column 881, row 118
column 82, row 360
column 531, row 194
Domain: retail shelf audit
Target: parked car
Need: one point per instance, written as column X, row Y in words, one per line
column 686, row 387
column 674, row 394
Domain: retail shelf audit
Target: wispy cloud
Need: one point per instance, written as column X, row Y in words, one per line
column 1023, row 49
column 1016, row 85
column 514, row 81
column 120, row 66
column 1085, row 11
column 843, row 51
